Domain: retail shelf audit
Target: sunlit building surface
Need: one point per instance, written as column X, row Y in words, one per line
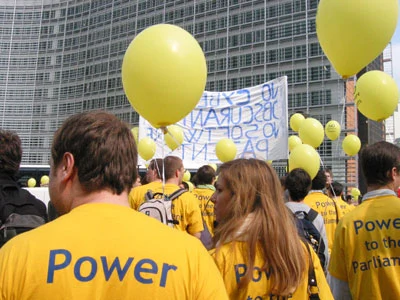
column 63, row 57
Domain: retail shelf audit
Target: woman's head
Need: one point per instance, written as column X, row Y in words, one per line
column 244, row 186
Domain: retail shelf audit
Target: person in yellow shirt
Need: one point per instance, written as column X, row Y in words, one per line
column 205, row 177
column 324, row 205
column 100, row 248
column 365, row 260
column 185, row 208
column 335, row 192
column 258, row 250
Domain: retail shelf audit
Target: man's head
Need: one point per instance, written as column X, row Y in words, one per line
column 154, row 170
column 319, row 181
column 95, row 149
column 174, row 169
column 10, row 152
column 335, row 189
column 380, row 163
column 298, row 183
column 205, row 175
column 329, row 176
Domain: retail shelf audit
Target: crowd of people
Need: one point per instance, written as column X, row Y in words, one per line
column 236, row 233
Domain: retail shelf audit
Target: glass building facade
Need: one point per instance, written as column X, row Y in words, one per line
column 63, row 57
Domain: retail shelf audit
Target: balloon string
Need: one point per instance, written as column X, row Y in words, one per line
column 163, row 161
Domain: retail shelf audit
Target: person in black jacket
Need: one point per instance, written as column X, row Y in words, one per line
column 14, row 199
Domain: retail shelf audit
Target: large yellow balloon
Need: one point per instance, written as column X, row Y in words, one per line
column 332, row 130
column 225, row 150
column 294, row 141
column 135, row 132
column 351, row 144
column 31, row 182
column 164, row 74
column 295, row 121
column 353, row 33
column 376, row 95
column 311, row 132
column 173, row 137
column 305, row 157
column 146, row 148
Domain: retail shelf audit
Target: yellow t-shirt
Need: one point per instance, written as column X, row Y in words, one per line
column 106, row 251
column 326, row 208
column 344, row 207
column 137, row 194
column 185, row 208
column 366, row 253
column 232, row 264
column 206, row 206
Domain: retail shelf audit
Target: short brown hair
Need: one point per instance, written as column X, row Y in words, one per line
column 104, row 151
column 205, row 175
column 10, row 152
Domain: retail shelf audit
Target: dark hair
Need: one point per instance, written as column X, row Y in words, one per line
column 104, row 151
column 377, row 161
column 205, row 175
column 10, row 152
column 157, row 164
column 319, row 181
column 298, row 183
column 336, row 188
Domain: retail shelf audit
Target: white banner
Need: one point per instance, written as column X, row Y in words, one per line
column 254, row 118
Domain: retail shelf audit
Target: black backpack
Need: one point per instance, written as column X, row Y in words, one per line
column 19, row 211
column 307, row 230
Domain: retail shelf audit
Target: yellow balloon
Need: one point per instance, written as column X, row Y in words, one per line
column 173, row 137
column 214, row 166
column 294, row 141
column 164, row 74
column 351, row 144
column 146, row 148
column 44, row 180
column 332, row 130
column 135, row 132
column 305, row 157
column 31, row 182
column 311, row 132
column 186, row 176
column 295, row 121
column 225, row 150
column 354, row 33
column 376, row 95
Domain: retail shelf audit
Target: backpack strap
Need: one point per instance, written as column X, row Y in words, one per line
column 313, row 289
column 149, row 195
column 176, row 194
column 312, row 214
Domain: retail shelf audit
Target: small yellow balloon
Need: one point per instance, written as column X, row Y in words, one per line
column 226, row 150
column 146, row 148
column 294, row 141
column 355, row 192
column 376, row 95
column 186, row 176
column 351, row 144
column 332, row 130
column 135, row 132
column 214, row 166
column 173, row 137
column 269, row 162
column 44, row 180
column 295, row 121
column 31, row 182
column 354, row 33
column 311, row 132
column 164, row 74
column 305, row 157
